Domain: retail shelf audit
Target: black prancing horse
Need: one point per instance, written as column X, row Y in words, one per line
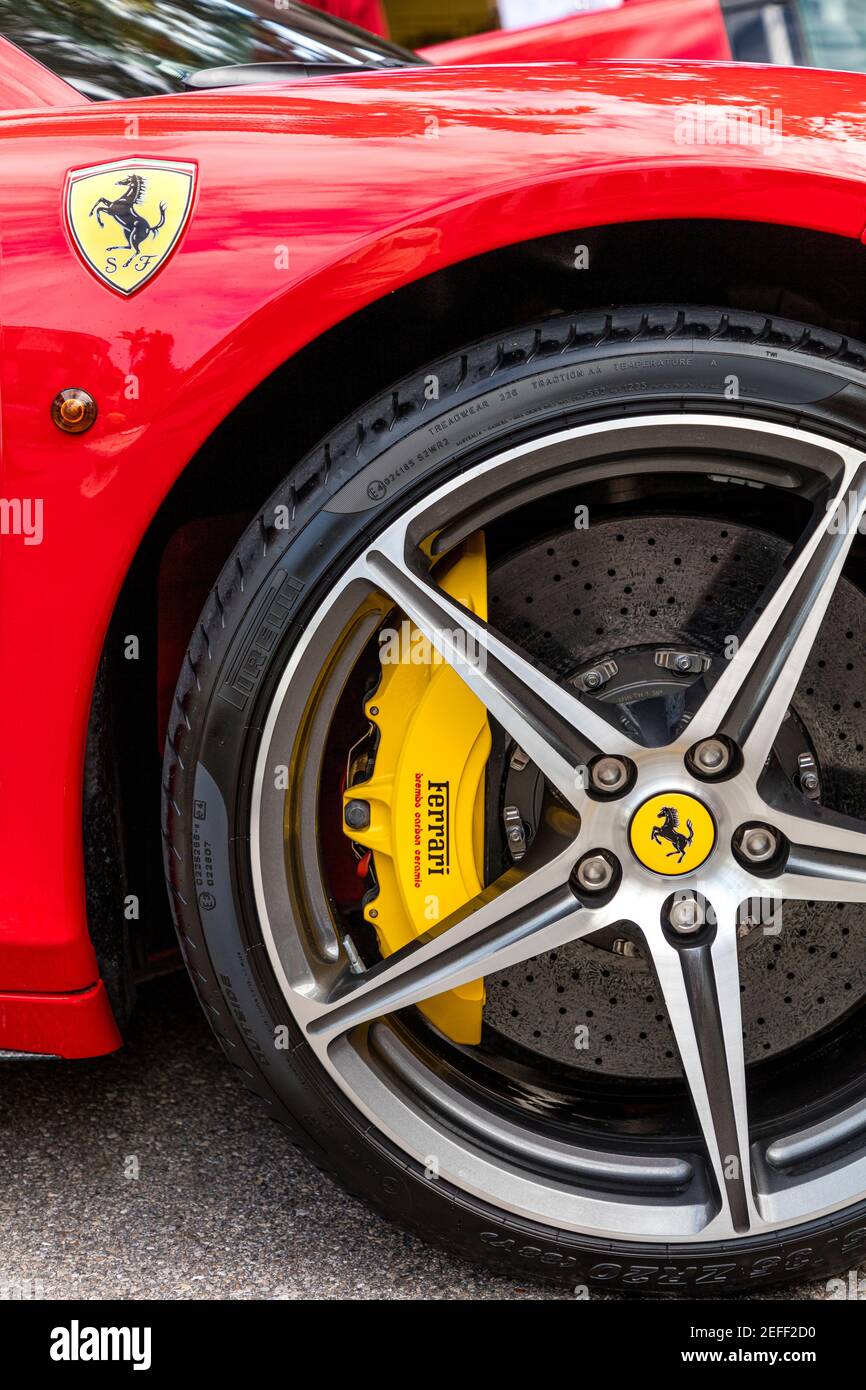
column 669, row 832
column 123, row 211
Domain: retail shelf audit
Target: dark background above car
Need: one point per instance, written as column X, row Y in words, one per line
column 135, row 50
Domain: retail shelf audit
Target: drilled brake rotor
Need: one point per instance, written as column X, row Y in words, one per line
column 626, row 586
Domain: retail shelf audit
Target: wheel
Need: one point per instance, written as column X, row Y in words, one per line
column 514, row 794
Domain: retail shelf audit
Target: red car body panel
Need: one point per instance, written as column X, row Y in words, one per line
column 367, row 14
column 59, row 1025
column 358, row 185
column 693, row 29
column 24, row 82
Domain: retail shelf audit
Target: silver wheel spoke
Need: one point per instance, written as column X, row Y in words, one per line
column 556, row 730
column 511, row 921
column 826, row 862
column 749, row 701
column 701, row 987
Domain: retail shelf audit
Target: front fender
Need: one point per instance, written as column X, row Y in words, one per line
column 313, row 200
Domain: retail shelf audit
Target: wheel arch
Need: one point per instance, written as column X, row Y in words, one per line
column 795, row 271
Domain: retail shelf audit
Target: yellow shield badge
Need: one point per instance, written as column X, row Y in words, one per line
column 126, row 218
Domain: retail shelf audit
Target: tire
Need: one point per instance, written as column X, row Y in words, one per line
column 619, row 366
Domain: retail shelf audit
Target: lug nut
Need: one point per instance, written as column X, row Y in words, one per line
column 609, row 774
column 758, row 844
column 711, row 756
column 594, row 873
column 357, row 815
column 686, row 915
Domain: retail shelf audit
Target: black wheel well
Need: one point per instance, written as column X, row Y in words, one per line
column 804, row 275
column 810, row 276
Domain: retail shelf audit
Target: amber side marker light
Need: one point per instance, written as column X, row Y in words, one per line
column 73, row 411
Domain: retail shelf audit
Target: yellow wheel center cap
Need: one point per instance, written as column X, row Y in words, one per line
column 672, row 833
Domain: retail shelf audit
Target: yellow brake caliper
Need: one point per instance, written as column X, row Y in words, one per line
column 426, row 792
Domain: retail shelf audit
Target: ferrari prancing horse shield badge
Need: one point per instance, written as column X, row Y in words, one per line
column 125, row 218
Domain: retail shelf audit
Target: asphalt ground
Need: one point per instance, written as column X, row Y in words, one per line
column 153, row 1174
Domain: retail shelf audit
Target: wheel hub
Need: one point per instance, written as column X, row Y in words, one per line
column 672, row 833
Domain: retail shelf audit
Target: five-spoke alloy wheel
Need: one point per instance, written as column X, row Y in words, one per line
column 690, row 822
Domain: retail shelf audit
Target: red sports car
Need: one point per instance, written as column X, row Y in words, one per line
column 459, row 472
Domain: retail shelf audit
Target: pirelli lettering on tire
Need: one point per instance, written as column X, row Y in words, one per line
column 273, row 618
